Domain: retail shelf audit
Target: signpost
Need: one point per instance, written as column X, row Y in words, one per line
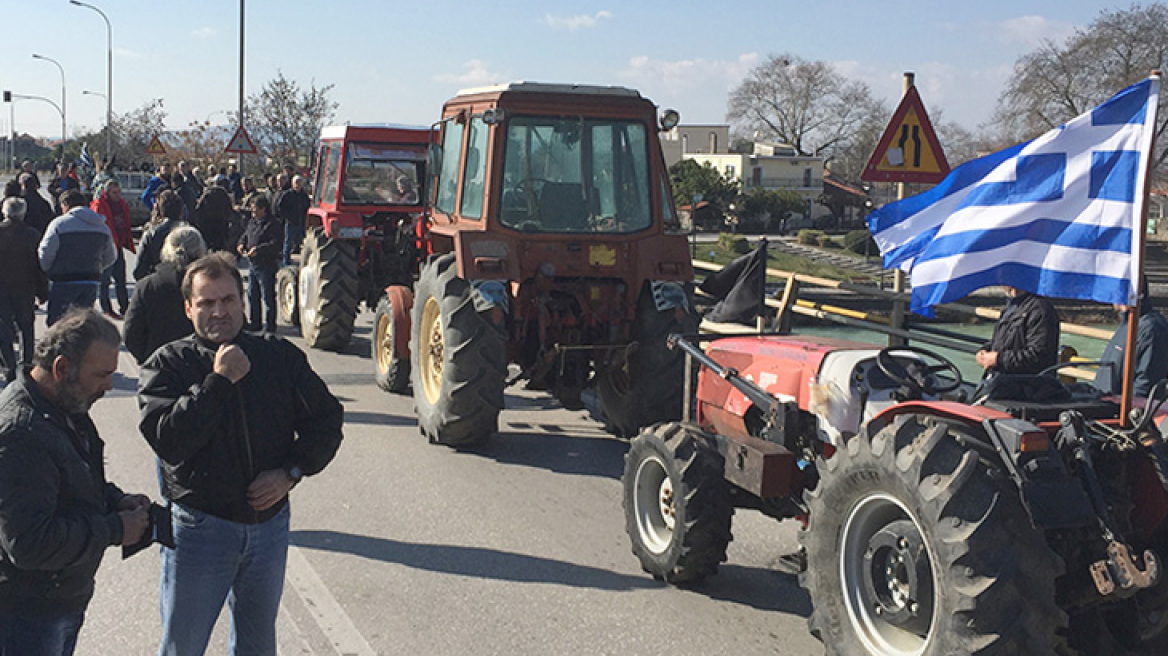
column 909, row 150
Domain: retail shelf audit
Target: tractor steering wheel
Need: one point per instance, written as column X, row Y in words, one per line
column 918, row 376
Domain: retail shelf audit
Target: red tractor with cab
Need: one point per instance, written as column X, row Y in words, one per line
column 1026, row 521
column 362, row 233
column 553, row 255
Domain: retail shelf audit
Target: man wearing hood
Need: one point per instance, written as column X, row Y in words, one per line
column 74, row 252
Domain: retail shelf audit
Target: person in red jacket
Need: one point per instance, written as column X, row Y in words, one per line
column 110, row 204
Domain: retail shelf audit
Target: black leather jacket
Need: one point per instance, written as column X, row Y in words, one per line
column 213, row 437
column 1027, row 336
column 57, row 512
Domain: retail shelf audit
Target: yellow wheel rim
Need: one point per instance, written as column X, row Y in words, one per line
column 431, row 350
column 384, row 336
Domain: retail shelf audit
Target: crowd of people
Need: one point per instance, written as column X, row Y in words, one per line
column 235, row 418
column 70, row 250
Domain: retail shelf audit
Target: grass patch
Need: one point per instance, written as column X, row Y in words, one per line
column 776, row 260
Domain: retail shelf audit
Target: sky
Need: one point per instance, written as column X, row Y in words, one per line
column 397, row 62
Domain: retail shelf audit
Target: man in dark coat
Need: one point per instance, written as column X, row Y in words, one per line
column 58, row 514
column 214, row 214
column 293, row 207
column 1151, row 350
column 21, row 283
column 1025, row 338
column 236, row 420
column 260, row 244
column 40, row 213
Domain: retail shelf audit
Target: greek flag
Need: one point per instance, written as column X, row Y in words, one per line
column 86, row 160
column 1056, row 216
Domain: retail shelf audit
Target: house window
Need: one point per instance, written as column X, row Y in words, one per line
column 730, row 172
column 806, row 177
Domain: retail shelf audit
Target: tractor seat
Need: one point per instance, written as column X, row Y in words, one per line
column 1039, row 398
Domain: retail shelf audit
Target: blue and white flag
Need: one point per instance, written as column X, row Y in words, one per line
column 86, row 160
column 1056, row 216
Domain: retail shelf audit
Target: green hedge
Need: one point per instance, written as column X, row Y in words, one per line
column 809, row 237
column 857, row 241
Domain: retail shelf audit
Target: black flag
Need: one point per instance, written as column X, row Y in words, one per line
column 740, row 288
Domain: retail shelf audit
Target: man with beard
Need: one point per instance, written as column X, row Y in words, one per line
column 236, row 420
column 57, row 512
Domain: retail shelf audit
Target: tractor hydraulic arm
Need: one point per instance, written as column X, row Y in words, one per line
column 757, row 395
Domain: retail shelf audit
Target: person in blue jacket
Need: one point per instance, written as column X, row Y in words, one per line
column 1151, row 350
column 160, row 181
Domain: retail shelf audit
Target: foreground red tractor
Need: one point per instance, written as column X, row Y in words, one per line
column 555, row 249
column 361, row 233
column 931, row 527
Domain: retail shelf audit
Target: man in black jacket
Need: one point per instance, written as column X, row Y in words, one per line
column 1025, row 338
column 57, row 512
column 236, row 420
column 260, row 244
column 21, row 283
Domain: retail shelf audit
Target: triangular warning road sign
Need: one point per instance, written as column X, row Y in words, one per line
column 155, row 147
column 240, row 143
column 908, row 150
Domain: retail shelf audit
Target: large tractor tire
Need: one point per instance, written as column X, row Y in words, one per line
column 677, row 503
column 646, row 387
column 458, row 359
column 392, row 371
column 918, row 545
column 328, row 291
column 287, row 298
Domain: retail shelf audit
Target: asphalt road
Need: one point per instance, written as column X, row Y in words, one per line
column 402, row 547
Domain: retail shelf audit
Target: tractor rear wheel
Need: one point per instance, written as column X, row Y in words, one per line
column 919, row 545
column 458, row 359
column 677, row 503
column 287, row 301
column 392, row 372
column 328, row 290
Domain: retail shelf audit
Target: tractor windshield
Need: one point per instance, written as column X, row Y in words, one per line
column 575, row 175
column 381, row 174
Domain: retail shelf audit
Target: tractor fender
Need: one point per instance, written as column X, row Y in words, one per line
column 969, row 414
column 401, row 300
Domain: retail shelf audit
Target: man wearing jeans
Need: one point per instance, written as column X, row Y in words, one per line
column 236, row 420
column 75, row 250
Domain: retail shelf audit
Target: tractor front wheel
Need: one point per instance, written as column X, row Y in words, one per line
column 677, row 503
column 287, row 301
column 392, row 372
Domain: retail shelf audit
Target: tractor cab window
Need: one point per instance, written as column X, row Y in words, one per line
column 331, row 176
column 448, row 175
column 476, row 170
column 318, row 183
column 381, row 174
column 575, row 175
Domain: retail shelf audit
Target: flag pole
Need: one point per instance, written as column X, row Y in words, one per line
column 1133, row 311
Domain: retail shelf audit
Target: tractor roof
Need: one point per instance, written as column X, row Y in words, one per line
column 542, row 87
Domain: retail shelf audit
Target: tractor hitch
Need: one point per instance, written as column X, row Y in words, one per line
column 1122, row 573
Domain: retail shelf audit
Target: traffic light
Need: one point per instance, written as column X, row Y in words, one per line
column 7, row 96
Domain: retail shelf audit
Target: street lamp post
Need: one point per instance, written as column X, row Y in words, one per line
column 64, row 135
column 109, row 76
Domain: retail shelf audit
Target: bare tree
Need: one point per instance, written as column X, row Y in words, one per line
column 135, row 129
column 1058, row 82
column 288, row 119
column 808, row 105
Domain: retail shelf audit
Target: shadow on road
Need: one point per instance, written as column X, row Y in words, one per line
column 759, row 588
column 547, row 447
column 470, row 561
column 378, row 418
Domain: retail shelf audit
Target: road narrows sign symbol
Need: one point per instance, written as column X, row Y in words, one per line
column 155, row 147
column 909, row 150
column 240, row 143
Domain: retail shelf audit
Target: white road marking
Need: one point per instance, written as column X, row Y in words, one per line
column 329, row 616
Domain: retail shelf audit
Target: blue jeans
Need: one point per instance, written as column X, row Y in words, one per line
column 262, row 283
column 293, row 235
column 117, row 272
column 63, row 295
column 48, row 635
column 216, row 560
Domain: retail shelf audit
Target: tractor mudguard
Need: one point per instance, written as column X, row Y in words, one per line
column 1053, row 498
column 668, row 295
column 489, row 294
column 401, row 300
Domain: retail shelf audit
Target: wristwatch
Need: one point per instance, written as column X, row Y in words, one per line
column 294, row 473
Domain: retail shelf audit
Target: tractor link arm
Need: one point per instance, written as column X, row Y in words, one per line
column 757, row 395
